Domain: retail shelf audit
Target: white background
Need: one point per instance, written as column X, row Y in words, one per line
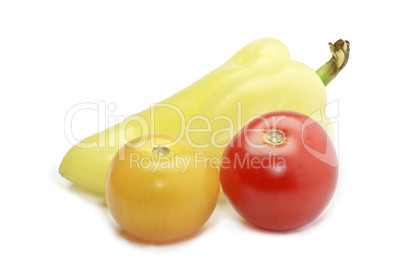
column 56, row 54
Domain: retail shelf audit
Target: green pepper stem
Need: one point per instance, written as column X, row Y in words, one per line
column 340, row 55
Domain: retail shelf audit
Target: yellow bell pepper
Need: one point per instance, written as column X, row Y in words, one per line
column 258, row 79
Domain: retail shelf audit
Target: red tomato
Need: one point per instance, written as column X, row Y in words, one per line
column 280, row 171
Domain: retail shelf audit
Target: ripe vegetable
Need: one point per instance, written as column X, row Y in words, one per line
column 258, row 79
column 280, row 171
column 158, row 192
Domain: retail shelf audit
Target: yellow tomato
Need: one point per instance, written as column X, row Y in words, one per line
column 160, row 191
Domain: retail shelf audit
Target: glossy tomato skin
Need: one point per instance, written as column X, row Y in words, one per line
column 285, row 186
column 161, row 202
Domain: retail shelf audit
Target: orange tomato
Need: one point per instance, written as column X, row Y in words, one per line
column 159, row 191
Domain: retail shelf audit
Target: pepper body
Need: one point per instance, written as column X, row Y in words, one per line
column 269, row 83
column 260, row 78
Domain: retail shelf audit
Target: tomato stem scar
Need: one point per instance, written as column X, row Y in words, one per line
column 274, row 137
column 160, row 150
